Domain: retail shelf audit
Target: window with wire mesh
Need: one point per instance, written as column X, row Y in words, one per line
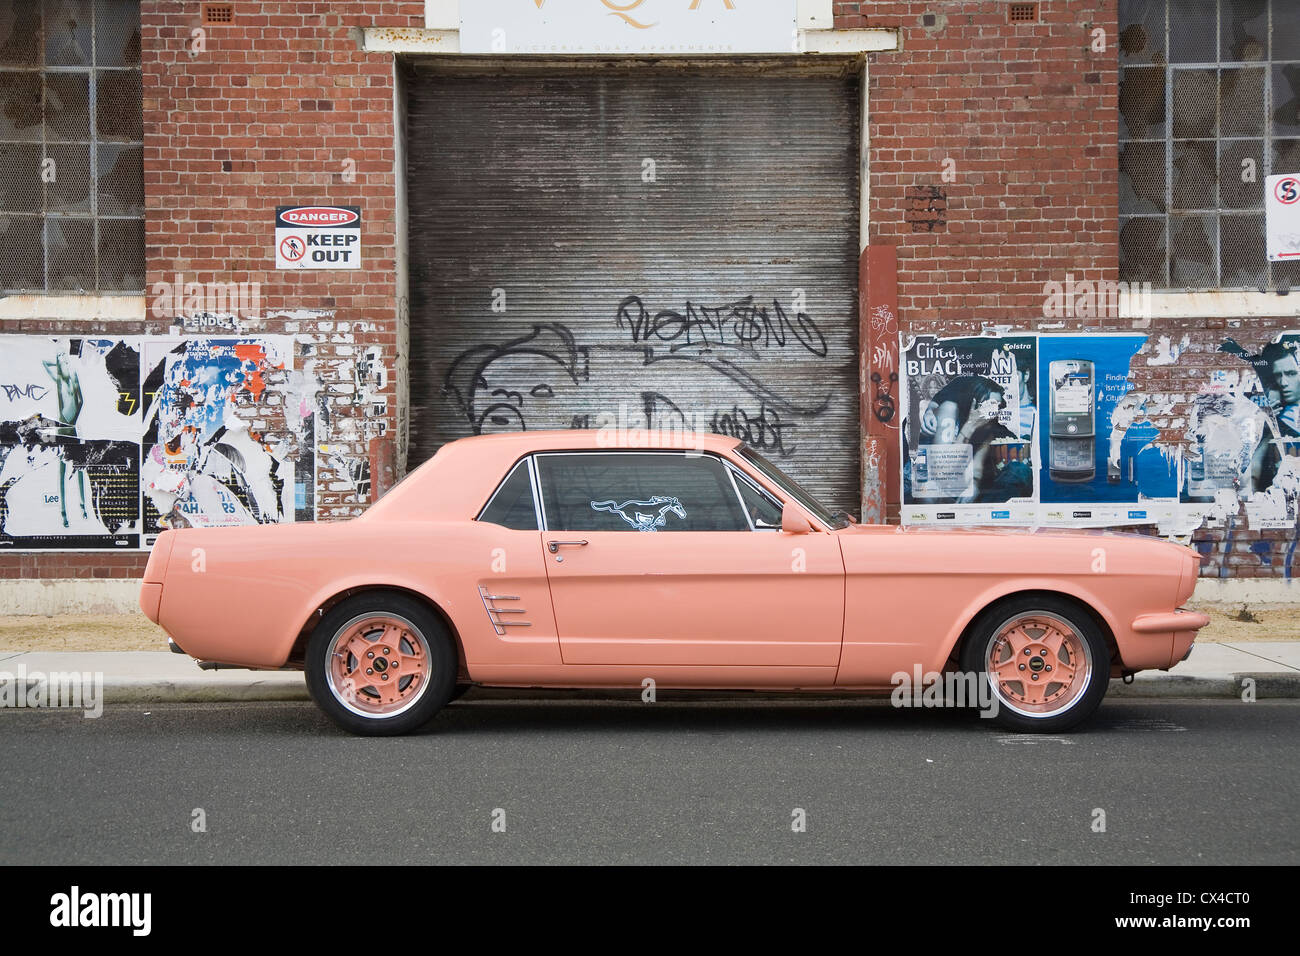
column 1209, row 105
column 71, row 146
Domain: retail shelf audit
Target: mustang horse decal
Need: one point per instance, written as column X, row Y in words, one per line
column 640, row 520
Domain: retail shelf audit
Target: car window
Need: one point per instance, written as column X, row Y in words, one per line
column 764, row 511
column 793, row 489
column 512, row 506
column 638, row 491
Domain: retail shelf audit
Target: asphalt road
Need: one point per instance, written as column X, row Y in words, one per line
column 671, row 782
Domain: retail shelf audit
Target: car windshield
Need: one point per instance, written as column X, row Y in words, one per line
column 834, row 520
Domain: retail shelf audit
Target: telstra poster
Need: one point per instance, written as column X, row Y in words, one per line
column 1100, row 464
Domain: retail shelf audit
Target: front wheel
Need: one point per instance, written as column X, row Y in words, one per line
column 380, row 664
column 1045, row 661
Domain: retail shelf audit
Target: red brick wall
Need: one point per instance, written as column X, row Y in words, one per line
column 1027, row 114
column 275, row 111
column 265, row 115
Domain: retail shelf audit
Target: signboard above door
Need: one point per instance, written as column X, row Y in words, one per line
column 621, row 27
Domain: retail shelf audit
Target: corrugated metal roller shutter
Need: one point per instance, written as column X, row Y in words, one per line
column 666, row 246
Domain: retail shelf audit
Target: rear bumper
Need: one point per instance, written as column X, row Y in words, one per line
column 151, row 600
column 155, row 573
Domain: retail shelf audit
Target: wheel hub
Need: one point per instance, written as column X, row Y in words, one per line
column 378, row 665
column 1038, row 664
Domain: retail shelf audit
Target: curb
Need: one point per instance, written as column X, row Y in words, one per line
column 136, row 691
column 1271, row 685
column 1268, row 686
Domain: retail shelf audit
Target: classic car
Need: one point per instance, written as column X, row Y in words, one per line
column 569, row 560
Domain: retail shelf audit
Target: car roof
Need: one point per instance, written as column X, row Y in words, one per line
column 624, row 439
column 456, row 482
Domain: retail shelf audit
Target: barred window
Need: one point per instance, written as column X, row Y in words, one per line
column 71, row 146
column 1209, row 104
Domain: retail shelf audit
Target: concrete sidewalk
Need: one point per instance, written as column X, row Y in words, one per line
column 1213, row 670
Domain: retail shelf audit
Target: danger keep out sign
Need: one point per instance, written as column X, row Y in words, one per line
column 318, row 237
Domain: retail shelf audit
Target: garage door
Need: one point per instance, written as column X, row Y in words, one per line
column 663, row 249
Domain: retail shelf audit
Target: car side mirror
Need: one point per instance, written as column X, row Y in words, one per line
column 792, row 522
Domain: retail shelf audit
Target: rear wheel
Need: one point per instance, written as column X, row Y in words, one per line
column 1045, row 661
column 380, row 664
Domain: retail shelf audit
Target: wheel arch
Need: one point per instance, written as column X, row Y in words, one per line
column 989, row 606
column 298, row 651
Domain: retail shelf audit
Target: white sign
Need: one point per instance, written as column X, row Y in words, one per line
column 1282, row 216
column 675, row 27
column 318, row 237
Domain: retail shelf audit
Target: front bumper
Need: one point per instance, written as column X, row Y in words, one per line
column 1170, row 622
column 1181, row 626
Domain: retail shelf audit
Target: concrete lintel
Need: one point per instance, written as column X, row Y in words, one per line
column 126, row 308
column 411, row 40
column 1198, row 305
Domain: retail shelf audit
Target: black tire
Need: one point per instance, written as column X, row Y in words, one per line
column 1042, row 618
column 423, row 662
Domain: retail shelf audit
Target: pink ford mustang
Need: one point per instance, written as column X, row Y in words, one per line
column 549, row 559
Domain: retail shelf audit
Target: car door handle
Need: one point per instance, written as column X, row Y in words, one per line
column 554, row 546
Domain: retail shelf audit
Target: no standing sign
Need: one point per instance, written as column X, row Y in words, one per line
column 318, row 237
column 1282, row 216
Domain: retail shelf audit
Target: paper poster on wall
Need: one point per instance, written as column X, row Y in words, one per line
column 205, row 464
column 69, row 452
column 1102, row 464
column 970, row 415
column 1244, row 443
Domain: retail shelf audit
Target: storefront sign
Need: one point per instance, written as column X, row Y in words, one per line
column 674, row 27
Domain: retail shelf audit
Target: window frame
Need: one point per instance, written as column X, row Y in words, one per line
column 526, row 461
column 727, row 467
column 738, row 476
column 94, row 142
column 1171, row 219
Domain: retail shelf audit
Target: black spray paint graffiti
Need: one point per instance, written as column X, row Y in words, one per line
column 740, row 325
column 514, row 385
column 883, row 405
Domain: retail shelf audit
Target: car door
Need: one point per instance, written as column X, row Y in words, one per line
column 653, row 560
column 515, row 625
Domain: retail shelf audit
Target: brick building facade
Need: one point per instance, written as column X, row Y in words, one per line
column 991, row 167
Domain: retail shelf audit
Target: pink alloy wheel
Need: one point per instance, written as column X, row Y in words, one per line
column 378, row 665
column 1038, row 665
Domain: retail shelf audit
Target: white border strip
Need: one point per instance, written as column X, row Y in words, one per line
column 1205, row 305
column 830, row 42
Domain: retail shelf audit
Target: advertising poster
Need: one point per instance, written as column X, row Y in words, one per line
column 1245, row 437
column 69, row 443
column 204, row 465
column 1101, row 465
column 970, row 415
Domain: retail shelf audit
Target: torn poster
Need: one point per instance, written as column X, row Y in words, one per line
column 69, row 433
column 204, row 463
column 1102, row 464
column 1245, row 438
